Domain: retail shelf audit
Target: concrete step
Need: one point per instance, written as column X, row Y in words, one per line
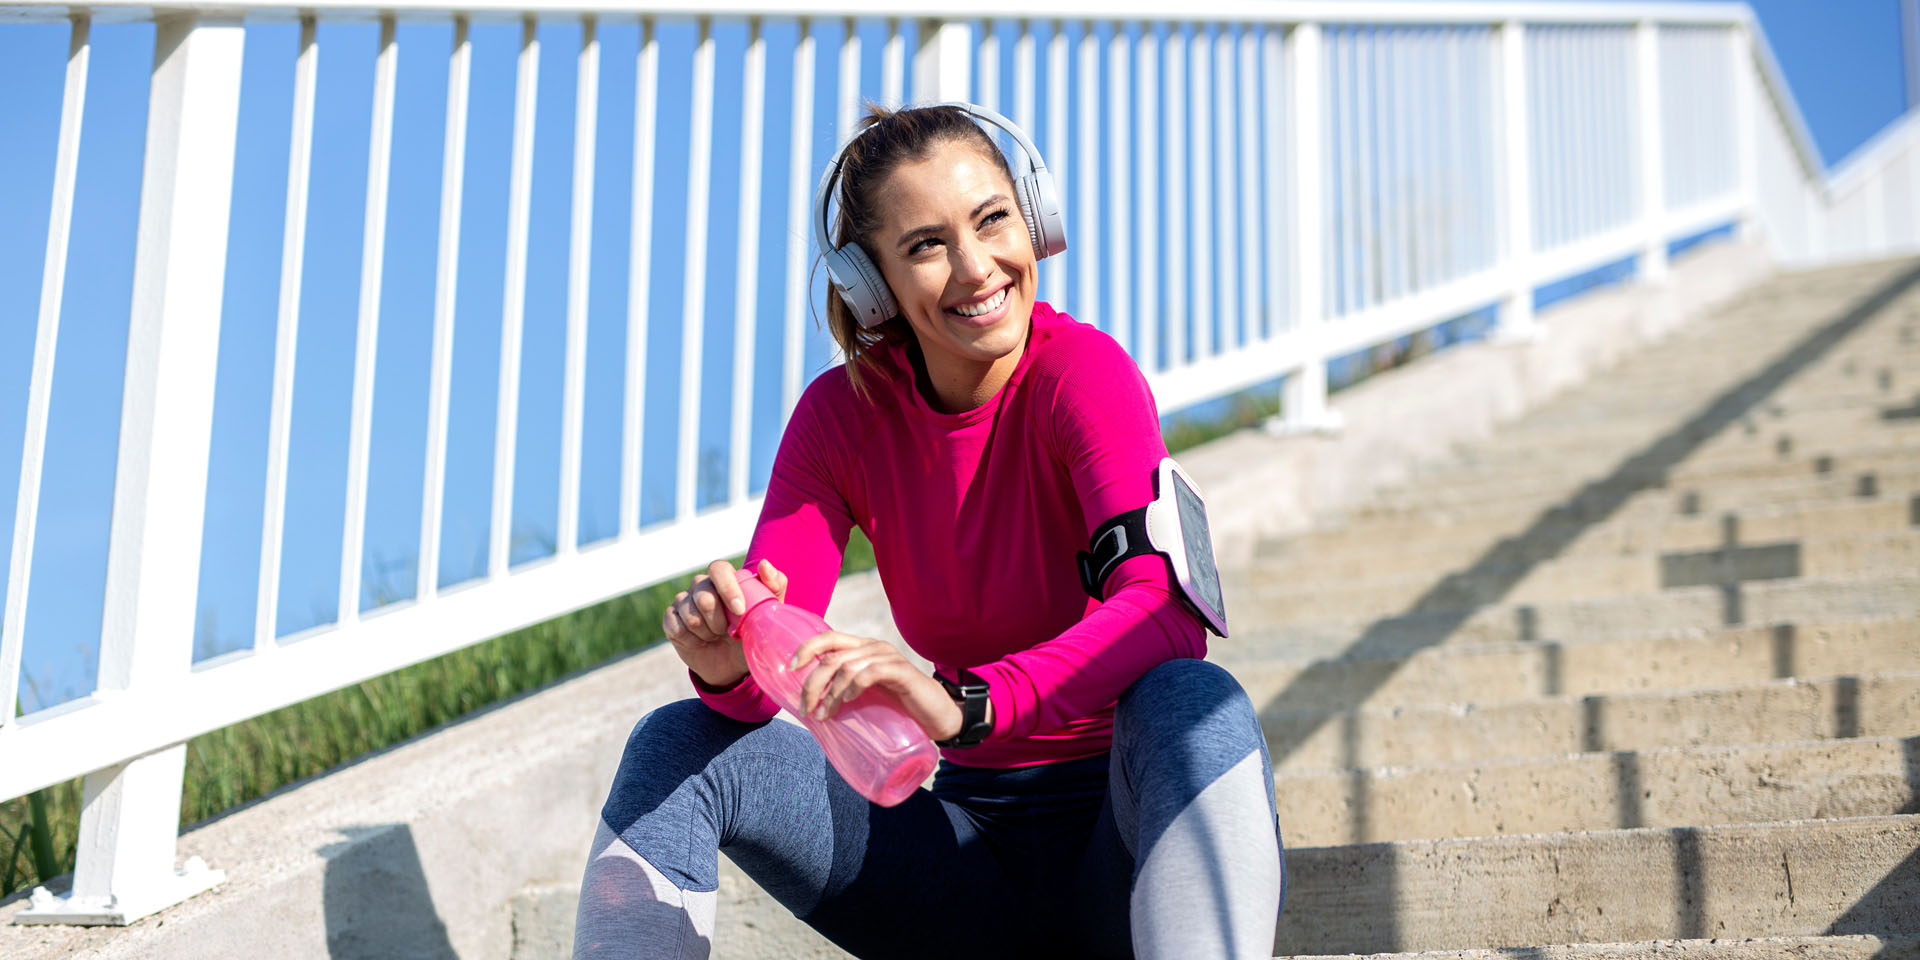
column 1675, row 787
column 1852, row 364
column 1648, row 397
column 1790, row 879
column 1704, row 658
column 1892, row 469
column 1647, row 402
column 1338, row 560
column 1598, row 451
column 1603, row 499
column 1716, row 355
column 1579, row 577
column 1733, row 340
column 1615, row 479
column 1436, row 541
column 1870, row 364
column 1443, row 611
column 1307, row 739
column 1745, row 948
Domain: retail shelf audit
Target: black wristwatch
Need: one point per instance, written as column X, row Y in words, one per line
column 971, row 694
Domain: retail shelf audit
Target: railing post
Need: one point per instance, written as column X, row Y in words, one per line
column 1911, row 215
column 1304, row 396
column 1819, row 218
column 1516, row 309
column 1880, row 213
column 943, row 64
column 1653, row 172
column 1746, row 132
column 130, row 821
column 53, row 283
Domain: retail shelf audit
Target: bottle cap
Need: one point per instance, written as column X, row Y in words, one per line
column 756, row 594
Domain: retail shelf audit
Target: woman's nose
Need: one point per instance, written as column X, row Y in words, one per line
column 971, row 261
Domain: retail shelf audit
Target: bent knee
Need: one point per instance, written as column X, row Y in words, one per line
column 685, row 730
column 675, row 722
column 669, row 746
column 1187, row 694
column 1188, row 718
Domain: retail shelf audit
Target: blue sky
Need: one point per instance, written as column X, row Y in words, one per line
column 1842, row 61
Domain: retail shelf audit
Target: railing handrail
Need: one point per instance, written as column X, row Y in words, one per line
column 1784, row 102
column 1327, row 12
column 1859, row 162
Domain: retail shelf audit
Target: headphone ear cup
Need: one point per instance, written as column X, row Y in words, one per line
column 1040, row 204
column 859, row 282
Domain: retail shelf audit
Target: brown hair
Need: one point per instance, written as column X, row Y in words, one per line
column 887, row 139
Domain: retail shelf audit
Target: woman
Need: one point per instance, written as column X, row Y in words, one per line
column 1119, row 801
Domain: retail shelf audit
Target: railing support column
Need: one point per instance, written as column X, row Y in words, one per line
column 1516, row 309
column 129, row 824
column 1746, row 132
column 943, row 64
column 1653, row 170
column 1304, row 395
column 1819, row 211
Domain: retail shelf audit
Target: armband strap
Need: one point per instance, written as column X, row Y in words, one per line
column 1114, row 541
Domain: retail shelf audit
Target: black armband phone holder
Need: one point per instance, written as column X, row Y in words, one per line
column 1174, row 526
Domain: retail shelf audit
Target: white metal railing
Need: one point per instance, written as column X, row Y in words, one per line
column 1254, row 187
column 1875, row 195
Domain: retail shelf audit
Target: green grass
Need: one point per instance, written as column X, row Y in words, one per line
column 1245, row 410
column 231, row 766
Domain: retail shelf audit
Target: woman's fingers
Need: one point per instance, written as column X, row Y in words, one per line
column 826, row 651
column 847, row 667
column 853, row 667
column 670, row 621
column 707, row 606
column 727, row 585
column 861, row 672
column 695, row 615
column 821, row 644
column 774, row 579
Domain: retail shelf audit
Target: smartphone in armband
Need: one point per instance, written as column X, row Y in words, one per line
column 1175, row 526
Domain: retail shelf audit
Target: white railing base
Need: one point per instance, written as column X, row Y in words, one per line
column 1326, row 423
column 118, row 911
column 1517, row 335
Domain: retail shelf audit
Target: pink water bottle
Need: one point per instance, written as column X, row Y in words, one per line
column 877, row 747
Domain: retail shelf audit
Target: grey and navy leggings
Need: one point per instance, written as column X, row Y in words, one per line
column 1166, row 846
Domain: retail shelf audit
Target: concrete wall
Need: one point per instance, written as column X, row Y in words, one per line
column 466, row 842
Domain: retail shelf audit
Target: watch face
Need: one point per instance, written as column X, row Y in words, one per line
column 1198, row 540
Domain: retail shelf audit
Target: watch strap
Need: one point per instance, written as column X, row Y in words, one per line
column 971, row 694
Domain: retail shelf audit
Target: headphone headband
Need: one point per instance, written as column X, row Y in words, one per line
column 853, row 273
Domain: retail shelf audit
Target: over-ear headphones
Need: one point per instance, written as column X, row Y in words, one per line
column 853, row 273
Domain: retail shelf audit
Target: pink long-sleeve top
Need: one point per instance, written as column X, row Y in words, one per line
column 975, row 520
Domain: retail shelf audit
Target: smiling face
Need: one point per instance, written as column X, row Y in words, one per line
column 954, row 249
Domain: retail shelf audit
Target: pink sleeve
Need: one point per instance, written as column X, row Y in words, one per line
column 1107, row 432
column 803, row 530
column 743, row 701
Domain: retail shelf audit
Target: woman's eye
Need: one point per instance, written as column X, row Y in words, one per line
column 993, row 218
column 921, row 246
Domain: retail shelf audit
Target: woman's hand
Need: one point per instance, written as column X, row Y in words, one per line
column 850, row 666
column 696, row 623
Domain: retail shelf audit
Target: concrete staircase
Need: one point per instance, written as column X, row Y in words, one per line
column 1638, row 676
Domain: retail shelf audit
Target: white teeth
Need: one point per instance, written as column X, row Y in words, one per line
column 984, row 307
